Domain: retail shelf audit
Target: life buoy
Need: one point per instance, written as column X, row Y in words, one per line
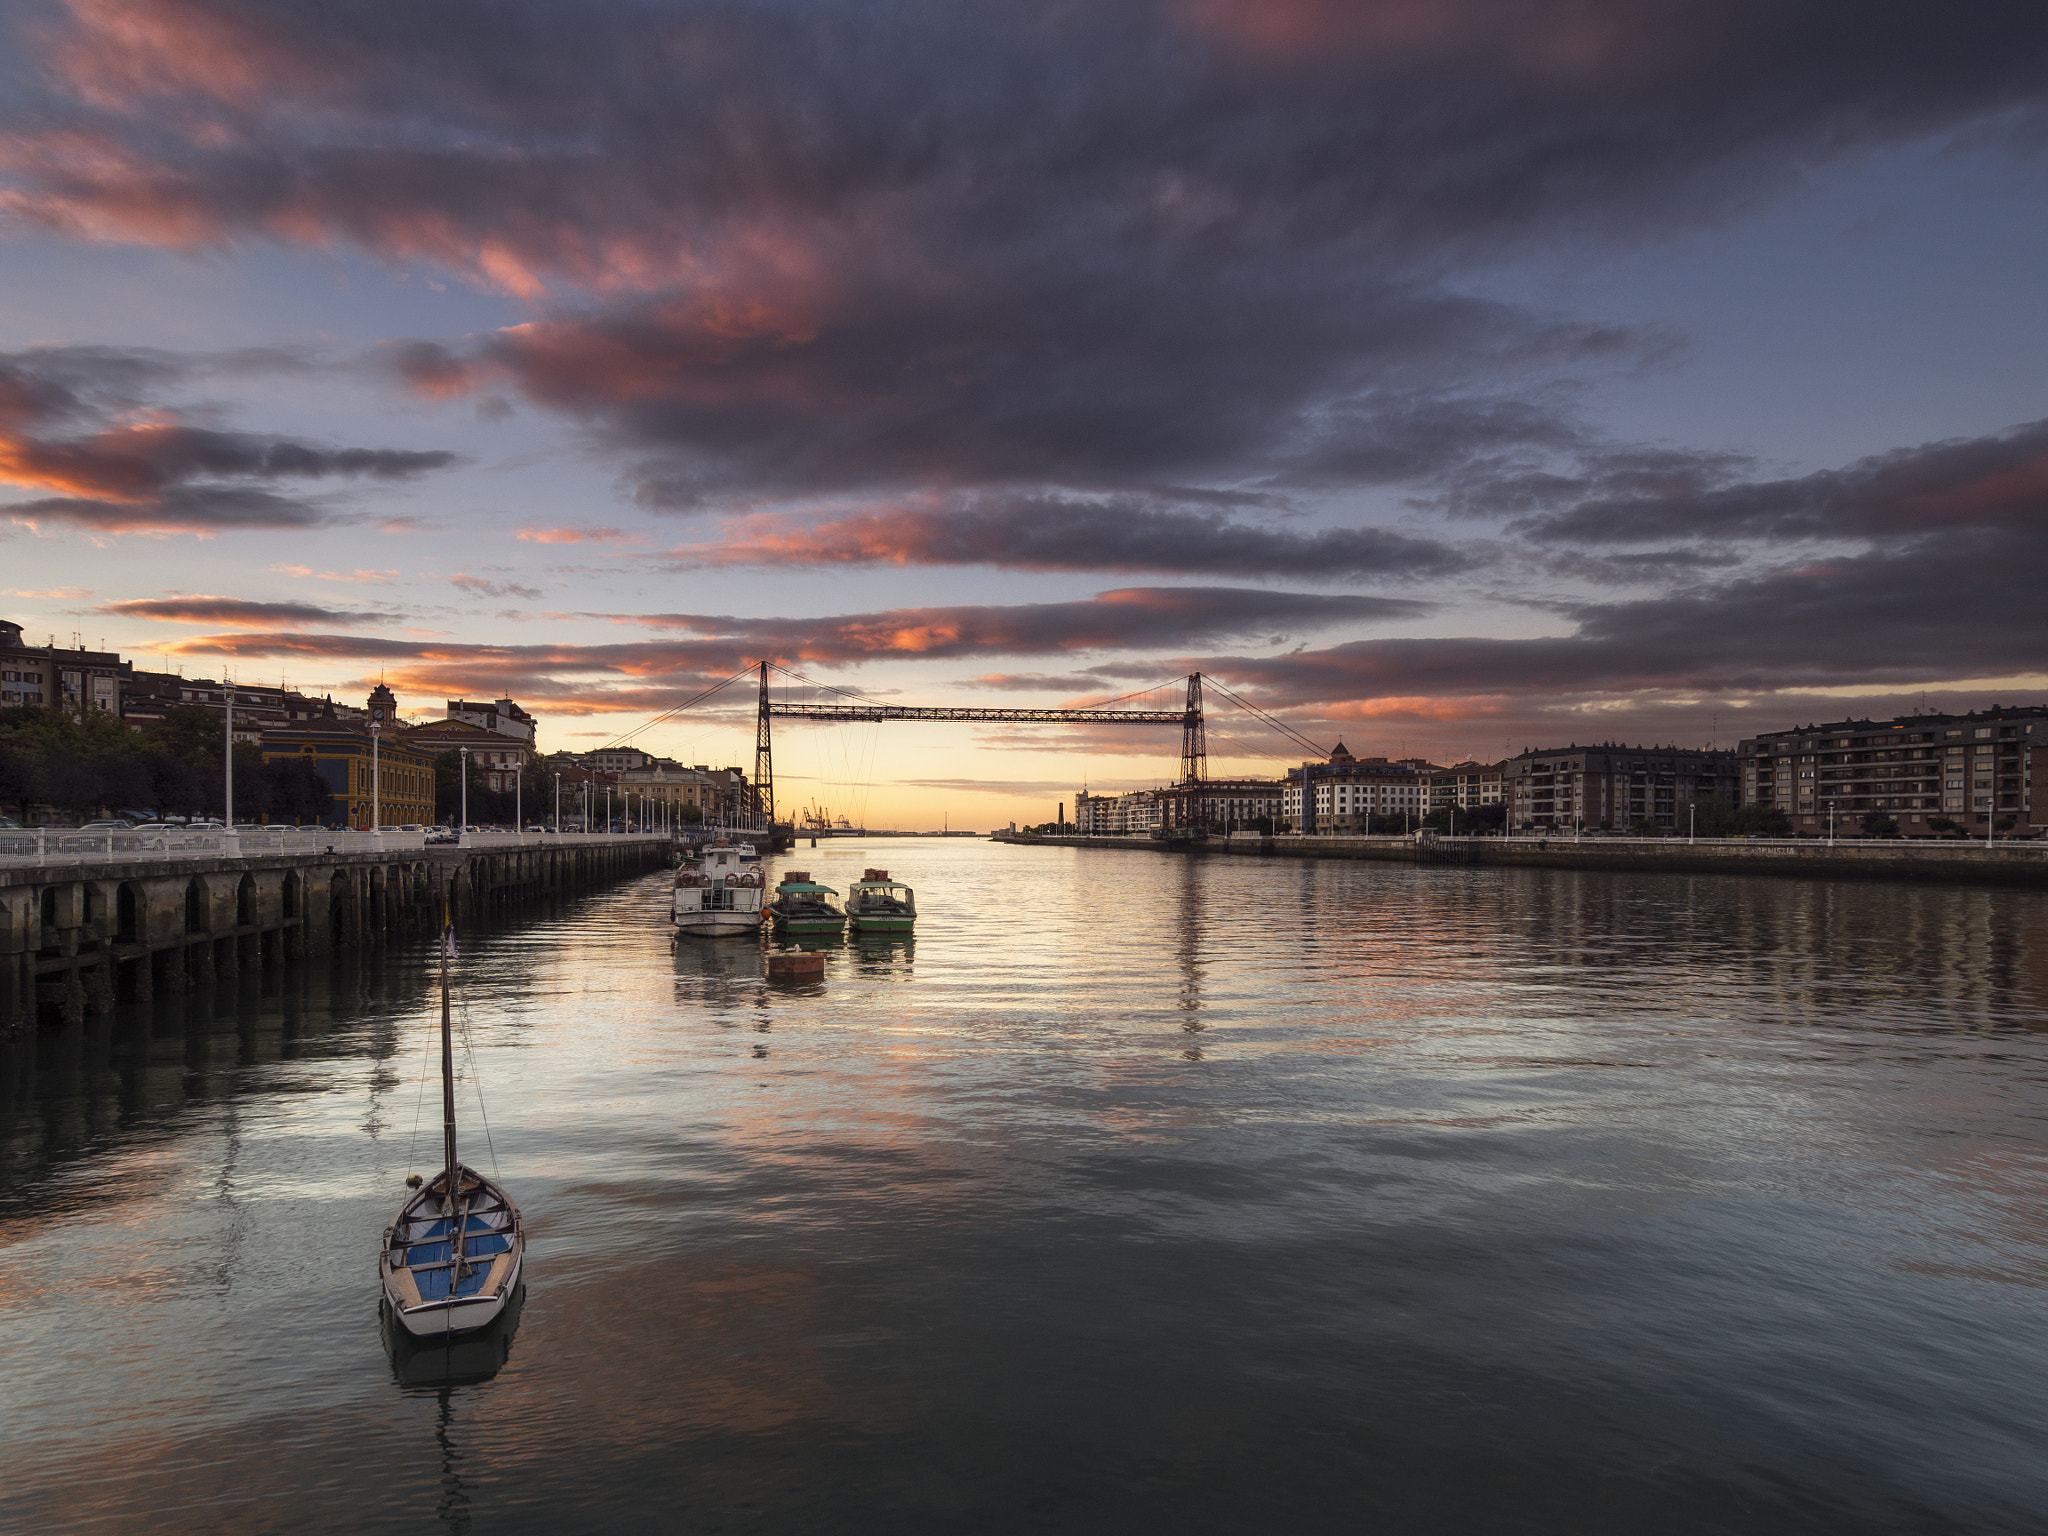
column 732, row 879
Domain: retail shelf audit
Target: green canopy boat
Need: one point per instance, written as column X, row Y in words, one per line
column 877, row 904
column 803, row 907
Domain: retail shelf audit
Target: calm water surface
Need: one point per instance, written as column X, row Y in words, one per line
column 1140, row 1193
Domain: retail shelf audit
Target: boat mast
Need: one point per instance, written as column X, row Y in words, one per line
column 447, row 1062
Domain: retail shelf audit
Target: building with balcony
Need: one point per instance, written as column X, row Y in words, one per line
column 1466, row 786
column 1588, row 788
column 1141, row 810
column 1343, row 793
column 1975, row 770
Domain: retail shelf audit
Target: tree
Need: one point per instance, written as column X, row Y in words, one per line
column 1878, row 824
column 1471, row 821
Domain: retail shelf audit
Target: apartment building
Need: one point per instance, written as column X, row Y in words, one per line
column 1466, row 786
column 73, row 680
column 1588, row 788
column 1142, row 810
column 1344, row 793
column 1976, row 770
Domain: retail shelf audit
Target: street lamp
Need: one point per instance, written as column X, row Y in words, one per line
column 462, row 827
column 228, row 821
column 376, row 780
column 558, row 805
column 519, row 800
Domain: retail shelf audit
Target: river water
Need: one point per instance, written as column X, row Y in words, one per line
column 1139, row 1193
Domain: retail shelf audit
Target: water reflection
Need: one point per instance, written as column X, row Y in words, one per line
column 441, row 1363
column 1136, row 1192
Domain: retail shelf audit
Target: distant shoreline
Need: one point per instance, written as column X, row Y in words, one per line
column 2022, row 865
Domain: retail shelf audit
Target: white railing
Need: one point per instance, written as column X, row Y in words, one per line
column 62, row 845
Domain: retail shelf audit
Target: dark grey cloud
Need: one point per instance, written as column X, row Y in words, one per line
column 239, row 612
column 1933, row 610
column 790, row 248
column 1997, row 481
column 1056, row 533
column 72, row 422
column 1130, row 618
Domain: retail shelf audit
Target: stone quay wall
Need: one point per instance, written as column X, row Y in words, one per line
column 77, row 938
column 2014, row 863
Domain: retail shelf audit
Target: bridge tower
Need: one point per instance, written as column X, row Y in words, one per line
column 1194, row 756
column 764, row 757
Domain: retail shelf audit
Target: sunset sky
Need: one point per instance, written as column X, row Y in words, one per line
column 1454, row 376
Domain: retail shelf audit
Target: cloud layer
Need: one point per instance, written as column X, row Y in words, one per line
column 85, row 425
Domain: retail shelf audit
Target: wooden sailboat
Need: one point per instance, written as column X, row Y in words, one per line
column 435, row 1285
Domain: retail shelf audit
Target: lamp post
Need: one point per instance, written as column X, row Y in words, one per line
column 607, row 807
column 1692, row 822
column 558, row 805
column 376, row 781
column 519, row 801
column 227, row 692
column 462, row 827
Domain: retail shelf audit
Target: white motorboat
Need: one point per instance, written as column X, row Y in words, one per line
column 719, row 893
column 451, row 1257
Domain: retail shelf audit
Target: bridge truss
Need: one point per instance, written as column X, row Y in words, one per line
column 1194, row 752
column 1194, row 749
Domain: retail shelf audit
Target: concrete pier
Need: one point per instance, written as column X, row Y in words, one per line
column 77, row 937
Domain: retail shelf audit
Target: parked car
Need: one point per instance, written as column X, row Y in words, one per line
column 113, row 825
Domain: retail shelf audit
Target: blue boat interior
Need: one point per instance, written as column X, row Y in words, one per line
column 425, row 1247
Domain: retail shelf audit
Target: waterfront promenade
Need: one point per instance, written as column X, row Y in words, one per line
column 2011, row 863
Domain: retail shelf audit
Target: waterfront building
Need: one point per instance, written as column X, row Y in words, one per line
column 147, row 697
column 1141, row 810
column 1615, row 786
column 1976, row 771
column 1466, row 786
column 341, row 752
column 496, row 760
column 667, row 782
column 1343, row 793
column 73, row 680
column 1221, row 804
column 616, row 759
column 501, row 717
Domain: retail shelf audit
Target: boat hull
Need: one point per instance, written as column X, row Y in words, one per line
column 891, row 924
column 812, row 925
column 435, row 1320
column 434, row 1289
column 717, row 925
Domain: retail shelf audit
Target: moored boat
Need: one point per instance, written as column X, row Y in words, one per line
column 719, row 893
column 803, row 906
column 451, row 1257
column 877, row 904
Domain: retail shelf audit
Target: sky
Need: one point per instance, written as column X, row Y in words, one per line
column 1453, row 377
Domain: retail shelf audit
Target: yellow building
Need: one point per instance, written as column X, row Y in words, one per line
column 343, row 755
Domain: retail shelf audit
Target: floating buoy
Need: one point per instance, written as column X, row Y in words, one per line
column 796, row 967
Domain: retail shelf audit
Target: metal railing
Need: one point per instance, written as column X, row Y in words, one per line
column 61, row 845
